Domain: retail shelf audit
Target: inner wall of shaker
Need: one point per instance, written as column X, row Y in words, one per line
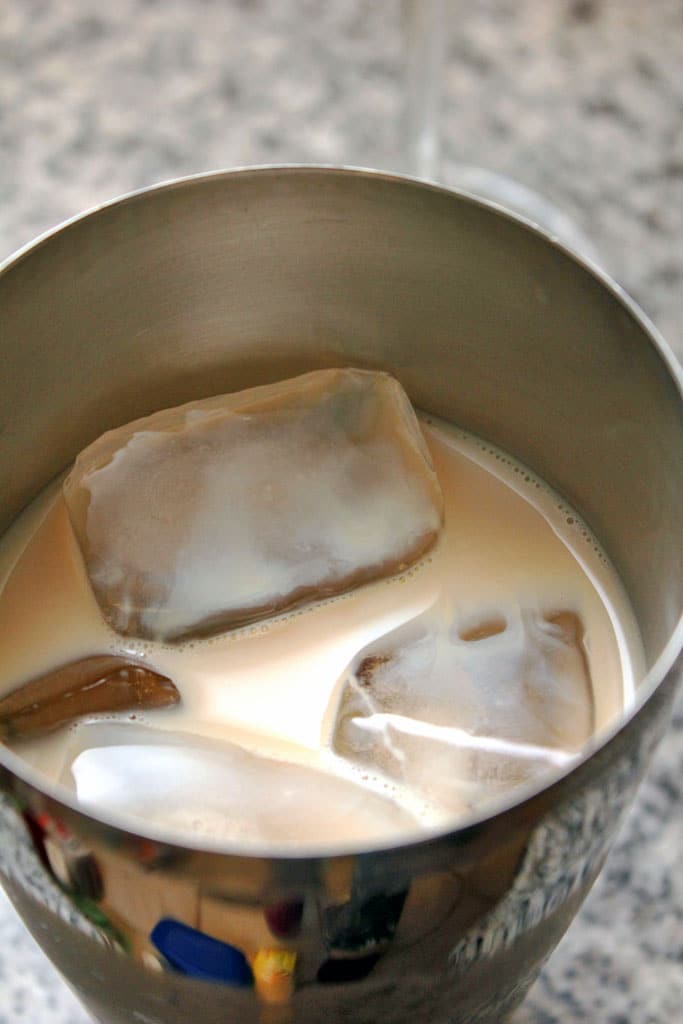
column 225, row 282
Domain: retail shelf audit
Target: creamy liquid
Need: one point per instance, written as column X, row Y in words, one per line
column 272, row 688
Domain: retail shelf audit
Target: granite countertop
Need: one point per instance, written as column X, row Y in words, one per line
column 580, row 100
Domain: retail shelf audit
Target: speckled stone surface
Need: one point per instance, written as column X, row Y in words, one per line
column 581, row 100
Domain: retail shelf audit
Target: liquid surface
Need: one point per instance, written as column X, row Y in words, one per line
column 515, row 629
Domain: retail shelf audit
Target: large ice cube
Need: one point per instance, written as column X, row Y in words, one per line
column 203, row 517
column 449, row 706
column 218, row 789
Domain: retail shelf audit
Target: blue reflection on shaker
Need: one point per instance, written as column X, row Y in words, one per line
column 198, row 955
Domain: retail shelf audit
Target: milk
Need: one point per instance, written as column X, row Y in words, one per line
column 272, row 689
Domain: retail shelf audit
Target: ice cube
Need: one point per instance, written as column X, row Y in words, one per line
column 95, row 685
column 449, row 707
column 219, row 789
column 200, row 518
column 450, row 768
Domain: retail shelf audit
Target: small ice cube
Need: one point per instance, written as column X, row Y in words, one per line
column 98, row 684
column 449, row 707
column 203, row 787
column 200, row 518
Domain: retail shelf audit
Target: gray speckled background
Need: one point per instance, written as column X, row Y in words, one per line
column 581, row 100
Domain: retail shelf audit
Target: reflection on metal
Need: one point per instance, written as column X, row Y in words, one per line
column 296, row 933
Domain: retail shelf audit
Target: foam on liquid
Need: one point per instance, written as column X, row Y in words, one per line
column 509, row 543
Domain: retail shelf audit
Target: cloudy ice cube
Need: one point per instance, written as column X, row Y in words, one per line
column 201, row 518
column 218, row 789
column 450, row 768
column 450, row 708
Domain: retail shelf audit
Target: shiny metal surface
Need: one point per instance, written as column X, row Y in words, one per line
column 225, row 281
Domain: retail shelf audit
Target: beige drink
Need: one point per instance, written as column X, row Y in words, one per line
column 516, row 604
